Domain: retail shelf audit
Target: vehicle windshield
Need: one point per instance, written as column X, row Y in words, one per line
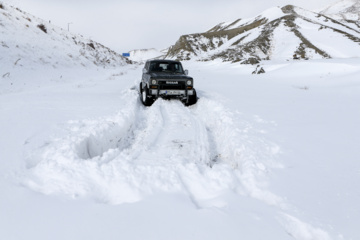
column 172, row 67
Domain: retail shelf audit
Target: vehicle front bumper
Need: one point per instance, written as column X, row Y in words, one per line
column 171, row 93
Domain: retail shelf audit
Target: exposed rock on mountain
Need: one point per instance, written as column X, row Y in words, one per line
column 278, row 34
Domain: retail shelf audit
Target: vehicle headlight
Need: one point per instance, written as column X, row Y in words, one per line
column 189, row 82
column 153, row 81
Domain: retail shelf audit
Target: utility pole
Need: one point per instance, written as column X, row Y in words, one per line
column 69, row 26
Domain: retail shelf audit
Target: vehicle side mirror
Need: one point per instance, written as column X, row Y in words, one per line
column 186, row 72
column 144, row 70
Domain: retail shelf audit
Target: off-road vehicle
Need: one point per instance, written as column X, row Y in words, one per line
column 166, row 79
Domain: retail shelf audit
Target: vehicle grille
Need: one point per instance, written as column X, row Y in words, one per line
column 164, row 86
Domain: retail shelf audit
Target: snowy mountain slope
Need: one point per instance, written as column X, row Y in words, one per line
column 29, row 44
column 141, row 55
column 276, row 34
column 346, row 10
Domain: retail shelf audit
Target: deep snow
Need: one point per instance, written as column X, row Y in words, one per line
column 258, row 157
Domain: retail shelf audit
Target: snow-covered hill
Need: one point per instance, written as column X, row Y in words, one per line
column 276, row 34
column 31, row 45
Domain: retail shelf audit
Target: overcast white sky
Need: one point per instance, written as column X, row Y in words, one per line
column 124, row 25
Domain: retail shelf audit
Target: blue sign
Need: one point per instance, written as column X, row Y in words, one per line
column 126, row 54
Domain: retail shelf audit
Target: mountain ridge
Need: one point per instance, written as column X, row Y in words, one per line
column 278, row 33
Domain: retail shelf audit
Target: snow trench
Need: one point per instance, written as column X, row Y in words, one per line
column 203, row 151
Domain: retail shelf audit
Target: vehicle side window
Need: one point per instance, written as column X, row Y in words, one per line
column 152, row 66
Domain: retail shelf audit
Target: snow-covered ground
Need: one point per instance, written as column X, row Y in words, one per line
column 271, row 156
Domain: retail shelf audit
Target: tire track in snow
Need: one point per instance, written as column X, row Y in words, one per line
column 197, row 150
column 240, row 144
column 237, row 143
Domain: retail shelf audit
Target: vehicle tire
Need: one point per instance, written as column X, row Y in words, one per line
column 192, row 99
column 144, row 96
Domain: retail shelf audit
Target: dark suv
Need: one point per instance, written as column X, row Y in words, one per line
column 166, row 79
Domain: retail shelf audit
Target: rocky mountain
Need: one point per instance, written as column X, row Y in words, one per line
column 347, row 11
column 277, row 34
column 28, row 41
